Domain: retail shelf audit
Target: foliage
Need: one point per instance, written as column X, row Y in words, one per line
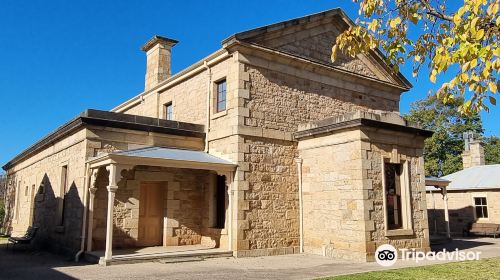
column 470, row 270
column 426, row 32
column 443, row 150
column 492, row 150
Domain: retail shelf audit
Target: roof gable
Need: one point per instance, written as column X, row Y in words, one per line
column 312, row 37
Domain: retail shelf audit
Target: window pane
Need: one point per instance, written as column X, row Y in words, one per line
column 221, row 96
column 393, row 195
column 477, row 201
column 485, row 212
column 169, row 111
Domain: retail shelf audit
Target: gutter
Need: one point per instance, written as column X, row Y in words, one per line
column 85, row 211
column 301, row 206
column 209, row 95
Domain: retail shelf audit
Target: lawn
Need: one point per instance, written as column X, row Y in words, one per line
column 482, row 269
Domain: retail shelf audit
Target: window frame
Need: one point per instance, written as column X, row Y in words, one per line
column 482, row 205
column 406, row 211
column 166, row 106
column 217, row 96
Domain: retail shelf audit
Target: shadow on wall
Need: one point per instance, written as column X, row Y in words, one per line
column 460, row 219
column 190, row 214
column 57, row 232
column 121, row 238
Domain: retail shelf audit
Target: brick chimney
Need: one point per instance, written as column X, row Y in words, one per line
column 473, row 154
column 158, row 52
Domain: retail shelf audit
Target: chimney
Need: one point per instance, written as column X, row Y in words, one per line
column 473, row 154
column 158, row 52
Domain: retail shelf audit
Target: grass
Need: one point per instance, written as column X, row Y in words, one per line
column 482, row 269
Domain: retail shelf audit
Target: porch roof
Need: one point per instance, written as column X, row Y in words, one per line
column 164, row 157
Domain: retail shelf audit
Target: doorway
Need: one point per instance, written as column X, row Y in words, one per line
column 151, row 214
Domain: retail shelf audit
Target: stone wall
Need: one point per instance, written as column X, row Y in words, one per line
column 461, row 209
column 36, row 185
column 333, row 196
column 277, row 103
column 405, row 147
column 343, row 192
column 186, row 208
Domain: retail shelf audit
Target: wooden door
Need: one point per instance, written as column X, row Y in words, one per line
column 150, row 214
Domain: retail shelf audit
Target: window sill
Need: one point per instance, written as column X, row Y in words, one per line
column 219, row 114
column 399, row 232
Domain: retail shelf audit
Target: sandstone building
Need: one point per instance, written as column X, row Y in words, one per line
column 472, row 194
column 264, row 147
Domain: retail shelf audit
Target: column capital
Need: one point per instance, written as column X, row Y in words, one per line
column 112, row 188
column 92, row 190
column 298, row 160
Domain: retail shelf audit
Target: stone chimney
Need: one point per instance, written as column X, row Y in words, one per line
column 473, row 154
column 158, row 52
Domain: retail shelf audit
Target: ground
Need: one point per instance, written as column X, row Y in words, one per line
column 25, row 264
column 482, row 269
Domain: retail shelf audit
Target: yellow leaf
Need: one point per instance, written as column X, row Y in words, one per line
column 417, row 58
column 433, row 78
column 479, row 34
column 473, row 23
column 493, row 87
column 473, row 63
column 496, row 51
column 334, row 52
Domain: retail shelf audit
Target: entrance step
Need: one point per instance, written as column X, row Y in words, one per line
column 168, row 257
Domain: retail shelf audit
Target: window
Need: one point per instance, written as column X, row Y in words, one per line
column 169, row 111
column 481, row 207
column 393, row 195
column 220, row 202
column 62, row 201
column 221, row 96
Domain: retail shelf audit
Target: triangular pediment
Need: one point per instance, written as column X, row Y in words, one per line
column 312, row 37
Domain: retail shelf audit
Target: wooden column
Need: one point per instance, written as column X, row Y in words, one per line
column 112, row 187
column 446, row 215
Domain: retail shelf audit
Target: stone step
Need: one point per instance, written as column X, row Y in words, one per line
column 160, row 257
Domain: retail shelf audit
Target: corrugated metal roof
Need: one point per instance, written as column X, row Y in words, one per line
column 174, row 154
column 477, row 177
column 431, row 182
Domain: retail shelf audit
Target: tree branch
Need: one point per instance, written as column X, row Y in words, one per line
column 435, row 13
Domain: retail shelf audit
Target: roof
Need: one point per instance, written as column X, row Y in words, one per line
column 173, row 154
column 110, row 119
column 338, row 13
column 477, row 177
column 389, row 121
column 165, row 157
column 433, row 183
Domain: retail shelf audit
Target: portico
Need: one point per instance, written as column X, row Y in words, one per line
column 156, row 196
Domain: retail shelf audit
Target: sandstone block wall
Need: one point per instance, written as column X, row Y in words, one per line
column 334, row 203
column 278, row 102
column 36, row 185
column 409, row 148
column 460, row 209
column 343, row 192
column 186, row 208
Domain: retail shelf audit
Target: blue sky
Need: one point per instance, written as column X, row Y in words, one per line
column 58, row 58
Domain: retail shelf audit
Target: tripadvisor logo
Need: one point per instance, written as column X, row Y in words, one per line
column 387, row 255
